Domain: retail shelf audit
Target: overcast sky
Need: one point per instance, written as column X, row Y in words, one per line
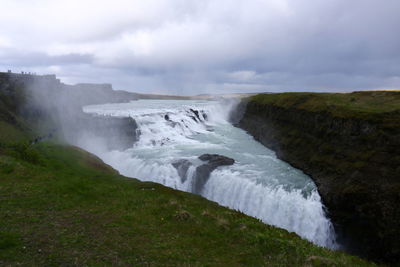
column 206, row 46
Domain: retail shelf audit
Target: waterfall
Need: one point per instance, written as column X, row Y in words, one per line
column 173, row 134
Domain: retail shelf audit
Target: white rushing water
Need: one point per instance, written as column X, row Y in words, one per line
column 258, row 184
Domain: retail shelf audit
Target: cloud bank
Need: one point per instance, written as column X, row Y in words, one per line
column 191, row 47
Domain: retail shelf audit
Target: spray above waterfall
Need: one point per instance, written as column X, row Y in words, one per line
column 178, row 145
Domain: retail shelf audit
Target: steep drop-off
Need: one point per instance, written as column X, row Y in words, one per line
column 53, row 108
column 349, row 144
column 62, row 206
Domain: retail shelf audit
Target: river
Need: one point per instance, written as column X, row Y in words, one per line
column 258, row 183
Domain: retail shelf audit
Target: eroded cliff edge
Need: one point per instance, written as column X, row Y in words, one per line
column 55, row 109
column 350, row 145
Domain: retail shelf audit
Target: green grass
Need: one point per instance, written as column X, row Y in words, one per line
column 358, row 104
column 9, row 133
column 71, row 209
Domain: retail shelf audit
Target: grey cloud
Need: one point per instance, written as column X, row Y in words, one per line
column 191, row 47
column 31, row 59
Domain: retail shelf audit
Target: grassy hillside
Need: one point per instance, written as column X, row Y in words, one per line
column 364, row 105
column 61, row 206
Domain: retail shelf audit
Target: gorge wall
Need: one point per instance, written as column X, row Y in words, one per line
column 349, row 144
column 55, row 109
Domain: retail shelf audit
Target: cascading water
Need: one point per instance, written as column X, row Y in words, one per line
column 172, row 133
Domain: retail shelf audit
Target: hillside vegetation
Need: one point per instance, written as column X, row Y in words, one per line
column 349, row 144
column 61, row 206
column 363, row 104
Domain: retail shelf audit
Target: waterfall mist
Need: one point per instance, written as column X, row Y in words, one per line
column 173, row 134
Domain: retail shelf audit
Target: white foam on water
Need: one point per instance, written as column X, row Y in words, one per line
column 258, row 184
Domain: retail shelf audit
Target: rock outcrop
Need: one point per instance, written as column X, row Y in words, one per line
column 116, row 133
column 203, row 171
column 53, row 108
column 182, row 166
column 352, row 157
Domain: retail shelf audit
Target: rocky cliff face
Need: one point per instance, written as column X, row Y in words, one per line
column 203, row 171
column 113, row 133
column 53, row 108
column 355, row 162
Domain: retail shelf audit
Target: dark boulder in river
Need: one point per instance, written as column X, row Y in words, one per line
column 203, row 171
column 216, row 160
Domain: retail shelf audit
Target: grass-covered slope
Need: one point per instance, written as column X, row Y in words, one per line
column 349, row 144
column 61, row 206
column 363, row 104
